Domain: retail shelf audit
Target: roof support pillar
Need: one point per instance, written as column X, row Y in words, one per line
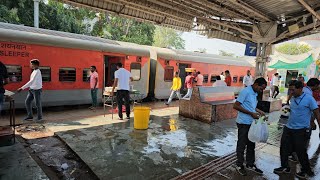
column 263, row 52
column 36, row 13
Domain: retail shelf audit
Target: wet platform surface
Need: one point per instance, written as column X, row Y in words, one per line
column 171, row 146
column 16, row 164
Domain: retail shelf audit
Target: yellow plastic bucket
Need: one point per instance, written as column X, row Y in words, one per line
column 141, row 117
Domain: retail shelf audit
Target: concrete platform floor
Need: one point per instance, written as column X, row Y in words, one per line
column 170, row 147
column 17, row 164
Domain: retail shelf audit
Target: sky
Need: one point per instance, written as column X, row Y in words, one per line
column 193, row 42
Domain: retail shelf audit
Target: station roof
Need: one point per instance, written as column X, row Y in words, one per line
column 234, row 20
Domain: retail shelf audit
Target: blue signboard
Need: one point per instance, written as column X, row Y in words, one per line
column 251, row 49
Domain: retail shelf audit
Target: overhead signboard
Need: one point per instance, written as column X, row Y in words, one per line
column 251, row 49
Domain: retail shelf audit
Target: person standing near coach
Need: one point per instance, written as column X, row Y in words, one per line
column 94, row 83
column 122, row 79
column 228, row 78
column 247, row 80
column 35, row 91
column 199, row 79
column 246, row 105
column 4, row 79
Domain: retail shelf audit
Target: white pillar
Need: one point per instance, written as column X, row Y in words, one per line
column 36, row 13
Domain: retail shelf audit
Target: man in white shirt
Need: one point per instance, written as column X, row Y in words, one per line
column 219, row 82
column 247, row 80
column 222, row 76
column 122, row 79
column 35, row 91
column 275, row 84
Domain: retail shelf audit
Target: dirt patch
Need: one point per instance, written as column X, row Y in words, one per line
column 57, row 160
column 33, row 131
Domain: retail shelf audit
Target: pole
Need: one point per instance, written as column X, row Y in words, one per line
column 257, row 60
column 36, row 13
column 261, row 65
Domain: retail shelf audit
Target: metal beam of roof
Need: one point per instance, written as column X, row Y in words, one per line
column 250, row 9
column 234, row 19
column 309, row 9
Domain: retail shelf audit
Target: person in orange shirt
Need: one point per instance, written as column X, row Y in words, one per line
column 199, row 79
column 189, row 85
column 228, row 78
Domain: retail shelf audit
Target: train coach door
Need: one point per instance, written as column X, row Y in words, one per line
column 110, row 66
column 183, row 74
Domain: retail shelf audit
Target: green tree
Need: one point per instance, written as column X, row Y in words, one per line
column 61, row 17
column 122, row 29
column 225, row 53
column 167, row 37
column 53, row 15
column 293, row 48
column 8, row 15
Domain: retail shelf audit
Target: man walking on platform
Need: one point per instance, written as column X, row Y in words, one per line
column 296, row 133
column 122, row 79
column 189, row 85
column 246, row 105
column 35, row 91
column 275, row 85
column 4, row 79
column 175, row 88
column 94, row 83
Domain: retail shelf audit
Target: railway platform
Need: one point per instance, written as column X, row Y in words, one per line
column 172, row 147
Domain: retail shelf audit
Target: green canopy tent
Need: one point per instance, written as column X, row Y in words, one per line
column 302, row 64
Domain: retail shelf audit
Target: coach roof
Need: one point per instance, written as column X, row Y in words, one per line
column 25, row 34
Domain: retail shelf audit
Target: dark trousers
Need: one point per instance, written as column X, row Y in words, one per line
column 244, row 143
column 295, row 140
column 275, row 91
column 94, row 97
column 123, row 95
column 34, row 95
column 1, row 102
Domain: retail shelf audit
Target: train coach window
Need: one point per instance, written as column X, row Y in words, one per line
column 86, row 75
column 67, row 74
column 45, row 73
column 135, row 69
column 14, row 73
column 213, row 78
column 235, row 79
column 205, row 78
column 241, row 79
column 168, row 73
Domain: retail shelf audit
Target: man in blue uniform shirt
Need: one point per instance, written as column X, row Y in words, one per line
column 296, row 132
column 246, row 105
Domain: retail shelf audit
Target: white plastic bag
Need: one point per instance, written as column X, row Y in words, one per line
column 258, row 131
column 264, row 132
